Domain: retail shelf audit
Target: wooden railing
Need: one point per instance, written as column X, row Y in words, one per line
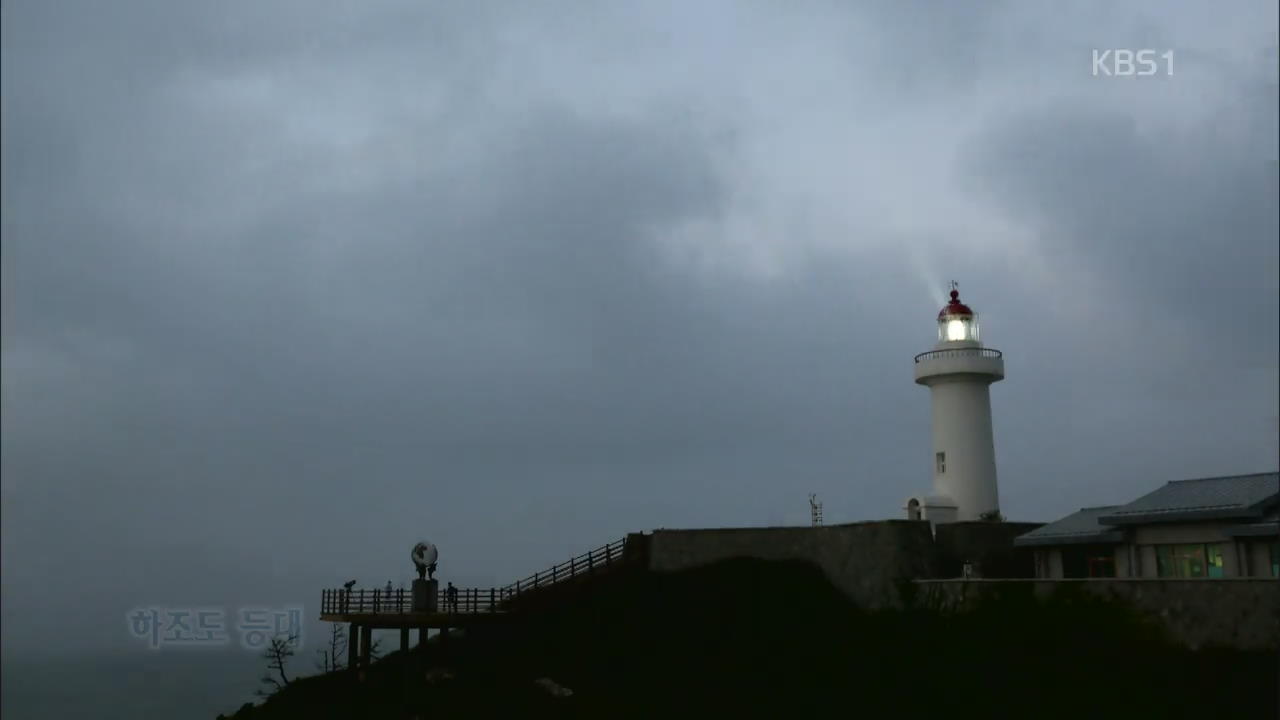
column 340, row 601
column 468, row 600
column 591, row 562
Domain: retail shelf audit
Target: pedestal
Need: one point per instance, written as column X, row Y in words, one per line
column 424, row 595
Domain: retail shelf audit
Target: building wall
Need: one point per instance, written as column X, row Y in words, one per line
column 1258, row 554
column 989, row 545
column 865, row 560
column 1180, row 533
column 1051, row 562
column 1055, row 563
column 1240, row 613
column 1146, row 561
column 1122, row 561
column 1239, row 558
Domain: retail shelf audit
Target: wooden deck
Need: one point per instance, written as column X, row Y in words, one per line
column 390, row 609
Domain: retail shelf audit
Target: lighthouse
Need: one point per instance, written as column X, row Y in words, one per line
column 959, row 371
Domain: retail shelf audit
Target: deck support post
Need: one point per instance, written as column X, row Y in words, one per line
column 404, row 638
column 422, row 637
column 353, row 646
column 366, row 644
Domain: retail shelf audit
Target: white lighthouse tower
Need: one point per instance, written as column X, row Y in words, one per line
column 959, row 372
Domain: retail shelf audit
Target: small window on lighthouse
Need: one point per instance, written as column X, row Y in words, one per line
column 942, row 462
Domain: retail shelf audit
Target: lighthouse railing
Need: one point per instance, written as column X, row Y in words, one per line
column 959, row 353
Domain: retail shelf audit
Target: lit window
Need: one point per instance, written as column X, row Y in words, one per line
column 1189, row 561
column 1213, row 560
column 942, row 462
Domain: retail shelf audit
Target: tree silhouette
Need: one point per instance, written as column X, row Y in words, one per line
column 277, row 655
column 331, row 658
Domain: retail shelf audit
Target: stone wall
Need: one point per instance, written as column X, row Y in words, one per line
column 1242, row 613
column 989, row 545
column 865, row 560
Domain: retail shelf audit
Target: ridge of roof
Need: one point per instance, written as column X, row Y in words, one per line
column 1224, row 496
column 1224, row 477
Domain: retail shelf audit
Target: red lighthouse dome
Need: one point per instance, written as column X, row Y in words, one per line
column 955, row 307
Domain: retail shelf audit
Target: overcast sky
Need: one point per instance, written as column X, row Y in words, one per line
column 288, row 286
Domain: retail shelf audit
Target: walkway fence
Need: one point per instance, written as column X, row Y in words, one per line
column 340, row 601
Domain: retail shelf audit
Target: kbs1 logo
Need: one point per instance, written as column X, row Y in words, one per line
column 1128, row 63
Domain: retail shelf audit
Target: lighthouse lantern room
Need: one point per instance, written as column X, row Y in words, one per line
column 956, row 322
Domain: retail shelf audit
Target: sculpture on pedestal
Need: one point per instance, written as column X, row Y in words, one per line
column 425, row 588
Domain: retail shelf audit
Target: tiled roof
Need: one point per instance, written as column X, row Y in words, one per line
column 1237, row 496
column 1078, row 527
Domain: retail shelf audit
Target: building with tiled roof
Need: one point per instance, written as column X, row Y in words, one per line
column 1217, row 527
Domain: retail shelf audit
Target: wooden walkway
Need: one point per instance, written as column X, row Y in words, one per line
column 368, row 610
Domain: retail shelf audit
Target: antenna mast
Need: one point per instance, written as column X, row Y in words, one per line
column 815, row 510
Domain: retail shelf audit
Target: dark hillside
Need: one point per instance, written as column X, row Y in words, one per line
column 757, row 638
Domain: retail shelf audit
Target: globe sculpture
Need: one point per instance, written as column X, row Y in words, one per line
column 424, row 556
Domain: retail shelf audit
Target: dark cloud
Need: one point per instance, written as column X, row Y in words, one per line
column 1187, row 218
column 1173, row 228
